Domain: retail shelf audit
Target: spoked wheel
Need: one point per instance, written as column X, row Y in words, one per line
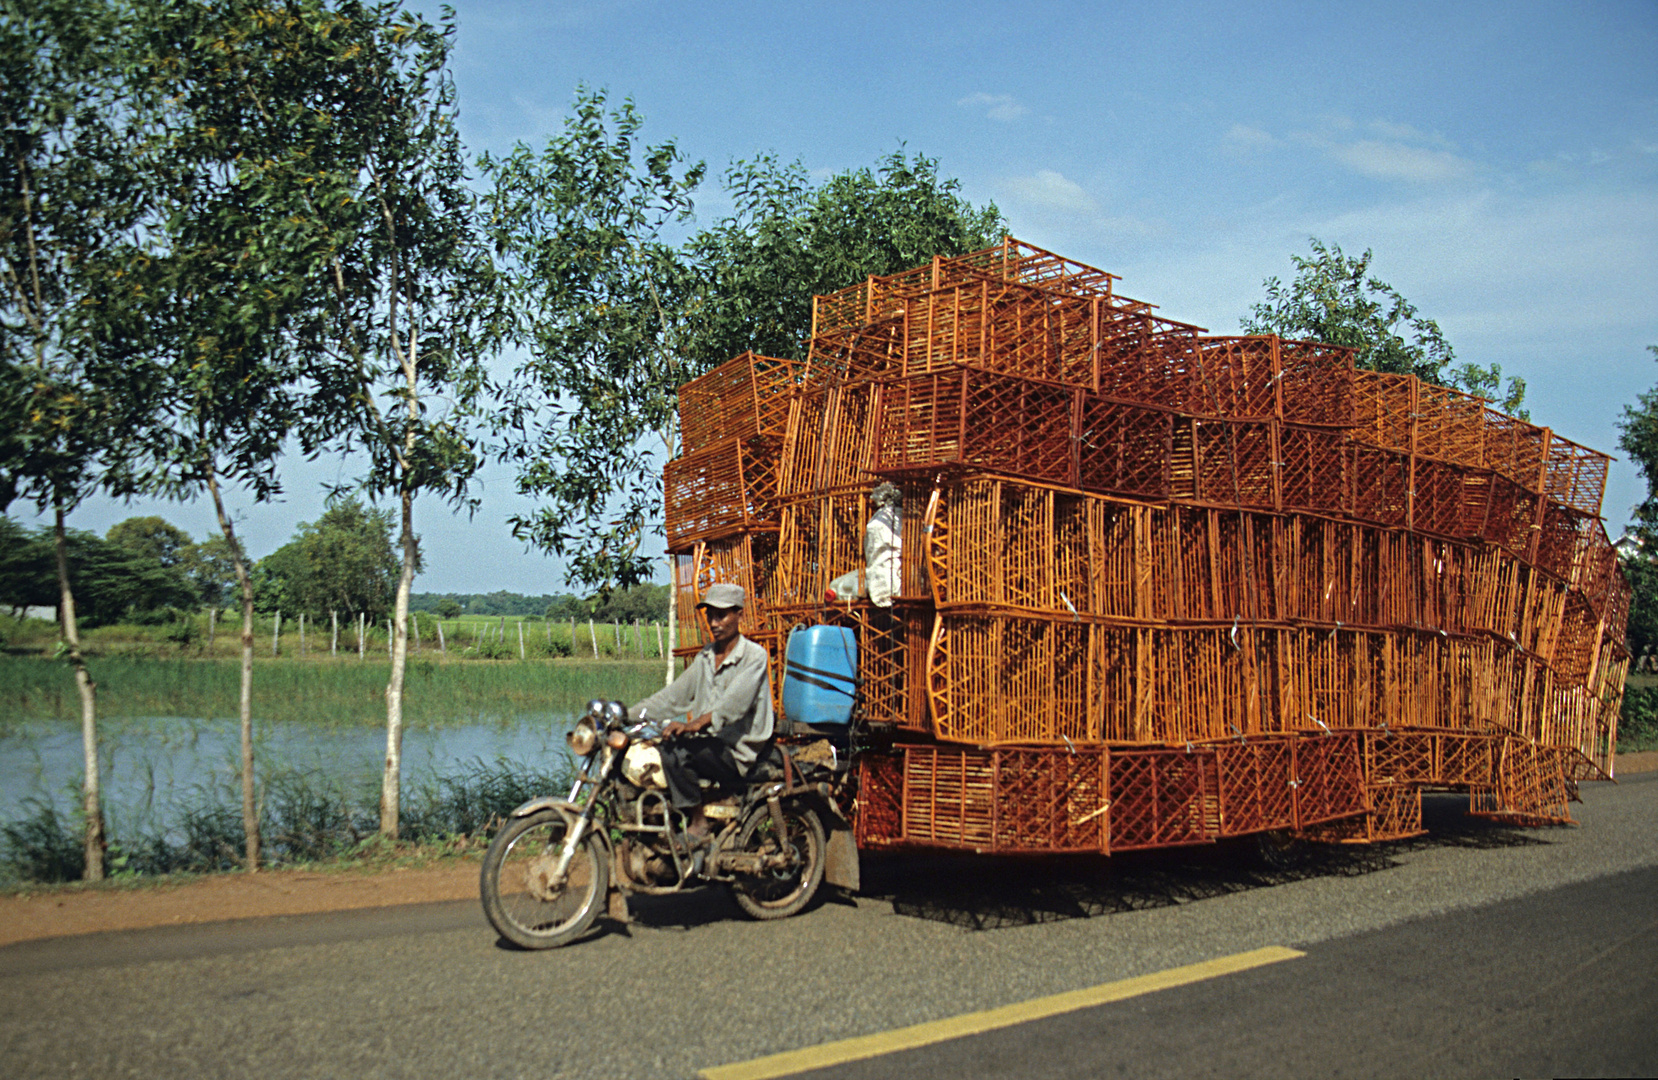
column 784, row 891
column 520, row 897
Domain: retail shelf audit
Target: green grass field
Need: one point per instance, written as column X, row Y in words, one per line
column 342, row 691
column 469, row 637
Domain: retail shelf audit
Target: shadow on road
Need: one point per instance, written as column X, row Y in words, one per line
column 979, row 892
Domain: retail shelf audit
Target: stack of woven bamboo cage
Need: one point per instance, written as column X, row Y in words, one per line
column 1158, row 587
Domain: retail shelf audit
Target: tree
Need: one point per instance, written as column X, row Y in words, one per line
column 152, row 538
column 600, row 293
column 413, row 306
column 210, row 567
column 616, row 318
column 28, row 574
column 1638, row 437
column 75, row 214
column 789, row 240
column 344, row 561
column 1335, row 299
column 261, row 104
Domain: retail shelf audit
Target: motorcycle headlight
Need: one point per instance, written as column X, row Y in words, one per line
column 583, row 739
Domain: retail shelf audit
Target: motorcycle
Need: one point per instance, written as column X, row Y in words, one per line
column 556, row 862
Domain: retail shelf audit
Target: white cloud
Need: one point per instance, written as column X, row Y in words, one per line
column 997, row 106
column 1396, row 161
column 1050, row 200
column 1244, row 139
column 1408, row 134
column 1049, row 190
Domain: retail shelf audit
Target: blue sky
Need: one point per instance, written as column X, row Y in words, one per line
column 1500, row 159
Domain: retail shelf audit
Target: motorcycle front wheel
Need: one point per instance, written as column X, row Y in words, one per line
column 781, row 893
column 521, row 903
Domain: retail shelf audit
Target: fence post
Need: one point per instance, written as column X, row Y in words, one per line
column 442, row 648
column 334, row 638
column 276, row 633
column 389, row 635
column 416, row 620
column 212, row 619
column 302, row 633
column 594, row 635
column 362, row 628
column 521, row 655
column 659, row 649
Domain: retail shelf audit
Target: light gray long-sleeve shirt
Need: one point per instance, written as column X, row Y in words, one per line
column 737, row 694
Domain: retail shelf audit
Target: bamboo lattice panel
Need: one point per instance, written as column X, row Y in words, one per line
column 729, row 487
column 1395, row 814
column 749, row 560
column 892, row 657
column 745, row 396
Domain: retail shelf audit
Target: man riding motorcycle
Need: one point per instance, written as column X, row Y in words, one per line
column 725, row 693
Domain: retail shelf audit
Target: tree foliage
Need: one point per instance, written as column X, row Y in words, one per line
column 343, row 562
column 1638, row 437
column 73, row 206
column 113, row 581
column 616, row 318
column 600, row 295
column 789, row 239
column 1336, row 299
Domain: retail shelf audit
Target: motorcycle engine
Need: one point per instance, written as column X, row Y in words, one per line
column 645, row 866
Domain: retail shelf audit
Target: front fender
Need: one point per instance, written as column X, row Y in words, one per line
column 570, row 811
column 546, row 802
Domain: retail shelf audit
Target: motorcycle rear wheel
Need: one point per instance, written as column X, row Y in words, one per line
column 519, row 905
column 779, row 895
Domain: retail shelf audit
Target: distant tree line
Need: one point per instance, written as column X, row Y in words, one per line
column 646, row 602
column 147, row 571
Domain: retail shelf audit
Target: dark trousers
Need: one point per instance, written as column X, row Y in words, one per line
column 687, row 759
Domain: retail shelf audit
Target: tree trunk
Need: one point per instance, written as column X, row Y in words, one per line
column 389, row 637
column 91, row 803
column 659, row 649
column 415, row 622
column 250, row 812
column 390, row 785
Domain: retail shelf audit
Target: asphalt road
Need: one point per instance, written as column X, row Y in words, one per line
column 1480, row 950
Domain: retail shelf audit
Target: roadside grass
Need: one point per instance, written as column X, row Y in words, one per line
column 308, row 821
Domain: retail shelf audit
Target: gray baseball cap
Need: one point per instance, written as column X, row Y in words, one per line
column 723, row 595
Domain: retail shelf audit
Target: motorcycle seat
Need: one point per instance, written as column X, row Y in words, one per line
column 768, row 766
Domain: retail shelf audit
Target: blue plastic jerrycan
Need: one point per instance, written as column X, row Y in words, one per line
column 820, row 673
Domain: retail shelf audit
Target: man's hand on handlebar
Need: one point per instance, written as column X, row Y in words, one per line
column 683, row 727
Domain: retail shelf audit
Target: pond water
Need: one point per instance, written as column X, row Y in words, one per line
column 150, row 765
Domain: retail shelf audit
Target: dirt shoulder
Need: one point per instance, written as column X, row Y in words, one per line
column 62, row 911
column 59, row 912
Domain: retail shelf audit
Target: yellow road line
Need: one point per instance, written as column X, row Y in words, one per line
column 955, row 1027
